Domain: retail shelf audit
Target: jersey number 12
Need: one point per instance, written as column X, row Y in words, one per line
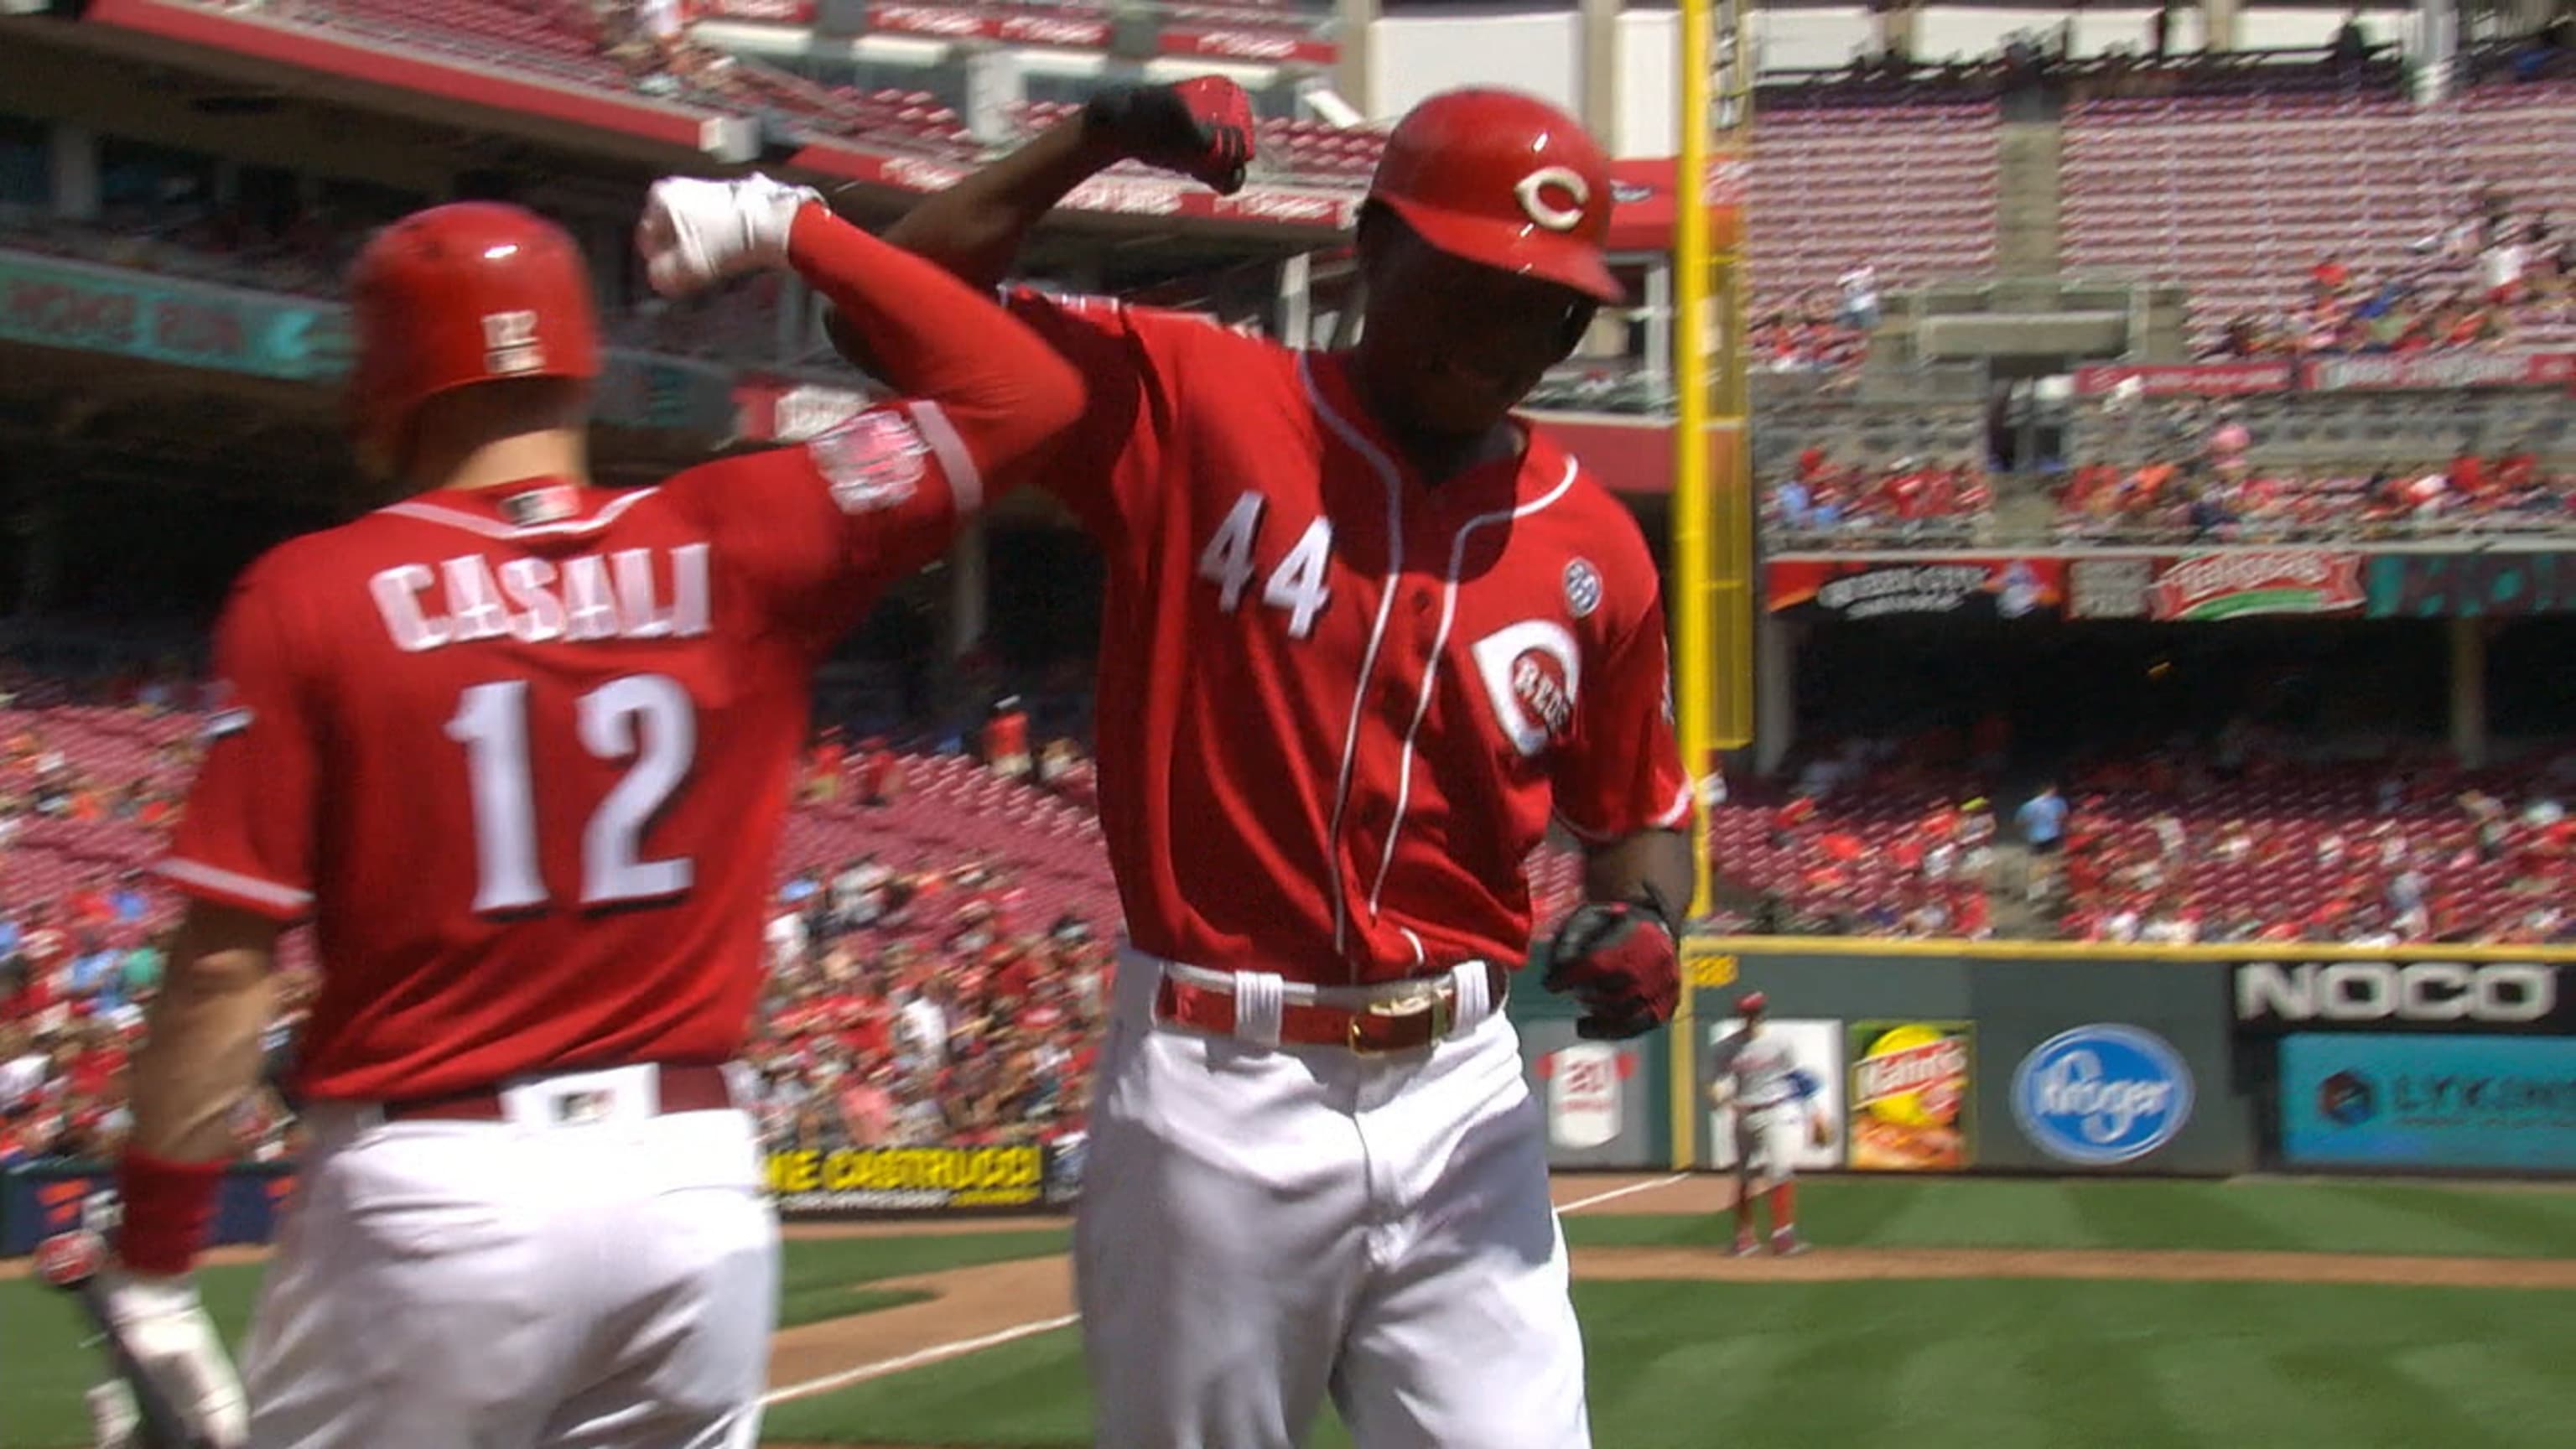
column 646, row 717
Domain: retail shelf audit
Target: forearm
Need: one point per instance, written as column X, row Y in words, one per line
column 1645, row 865
column 201, row 1058
column 975, row 229
column 934, row 338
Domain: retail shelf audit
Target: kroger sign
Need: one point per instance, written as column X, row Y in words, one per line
column 2099, row 1095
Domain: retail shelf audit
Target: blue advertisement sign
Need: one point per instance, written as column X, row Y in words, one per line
column 2101, row 1095
column 57, row 303
column 2501, row 1103
column 88, row 308
column 42, row 1199
column 2471, row 585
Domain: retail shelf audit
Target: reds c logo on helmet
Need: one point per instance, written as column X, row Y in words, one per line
column 1506, row 181
column 1534, row 193
column 474, row 291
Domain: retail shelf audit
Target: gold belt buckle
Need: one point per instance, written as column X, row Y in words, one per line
column 1432, row 1000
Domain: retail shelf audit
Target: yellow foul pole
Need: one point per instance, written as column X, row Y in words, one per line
column 1694, row 657
column 1694, row 651
column 1712, row 516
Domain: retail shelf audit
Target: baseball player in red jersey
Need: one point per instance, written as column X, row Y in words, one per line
column 1365, row 635
column 520, row 748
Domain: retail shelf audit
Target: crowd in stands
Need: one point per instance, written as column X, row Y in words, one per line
column 2195, row 479
column 928, row 982
column 2249, row 841
column 1819, row 332
column 2495, row 270
column 1830, row 503
column 931, row 1000
column 938, row 950
column 922, row 1006
column 2180, row 851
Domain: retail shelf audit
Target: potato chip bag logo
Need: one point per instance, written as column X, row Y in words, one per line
column 1913, row 1075
column 1909, row 1096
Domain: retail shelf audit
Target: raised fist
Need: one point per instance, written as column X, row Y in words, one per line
column 697, row 232
column 1200, row 128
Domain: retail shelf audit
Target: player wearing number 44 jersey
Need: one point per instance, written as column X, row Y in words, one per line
column 519, row 747
column 1365, row 634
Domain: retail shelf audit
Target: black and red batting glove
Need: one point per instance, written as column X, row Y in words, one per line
column 1619, row 959
column 1200, row 128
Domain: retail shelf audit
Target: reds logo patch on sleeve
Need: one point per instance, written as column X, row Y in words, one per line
column 872, row 462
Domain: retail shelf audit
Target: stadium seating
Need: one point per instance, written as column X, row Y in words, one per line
column 2319, row 832
column 2362, row 178
column 545, row 39
column 1821, row 199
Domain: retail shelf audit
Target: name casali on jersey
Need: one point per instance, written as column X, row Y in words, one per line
column 583, row 598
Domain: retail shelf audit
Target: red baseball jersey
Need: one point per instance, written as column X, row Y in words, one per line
column 1338, row 705
column 523, row 755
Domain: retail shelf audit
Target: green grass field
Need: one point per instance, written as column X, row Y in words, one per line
column 44, row 1365
column 1962, row 1364
column 2259, row 1215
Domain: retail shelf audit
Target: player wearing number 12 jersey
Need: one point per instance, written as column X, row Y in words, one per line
column 519, row 747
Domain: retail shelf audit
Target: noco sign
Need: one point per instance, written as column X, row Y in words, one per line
column 2452, row 996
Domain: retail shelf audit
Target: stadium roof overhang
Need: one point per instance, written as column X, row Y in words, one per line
column 452, row 92
column 251, row 47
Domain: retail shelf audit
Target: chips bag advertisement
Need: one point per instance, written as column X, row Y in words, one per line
column 1911, row 1089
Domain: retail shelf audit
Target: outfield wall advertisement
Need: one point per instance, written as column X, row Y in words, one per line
column 38, row 1201
column 1955, row 1063
column 1913, row 1096
column 857, row 1181
column 2470, row 1103
column 1602, row 1100
column 2484, row 998
column 2472, row 585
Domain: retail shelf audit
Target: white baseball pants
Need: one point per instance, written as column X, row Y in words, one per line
column 472, row 1285
column 1767, row 1142
column 1260, row 1227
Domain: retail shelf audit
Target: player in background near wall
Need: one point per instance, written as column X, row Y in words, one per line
column 1756, row 1073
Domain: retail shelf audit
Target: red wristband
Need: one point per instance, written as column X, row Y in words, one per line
column 165, row 1212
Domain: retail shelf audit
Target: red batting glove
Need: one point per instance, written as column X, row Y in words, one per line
column 1620, row 961
column 1200, row 128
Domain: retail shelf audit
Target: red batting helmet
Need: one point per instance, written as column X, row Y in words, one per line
column 1751, row 1003
column 475, row 291
column 1505, row 180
